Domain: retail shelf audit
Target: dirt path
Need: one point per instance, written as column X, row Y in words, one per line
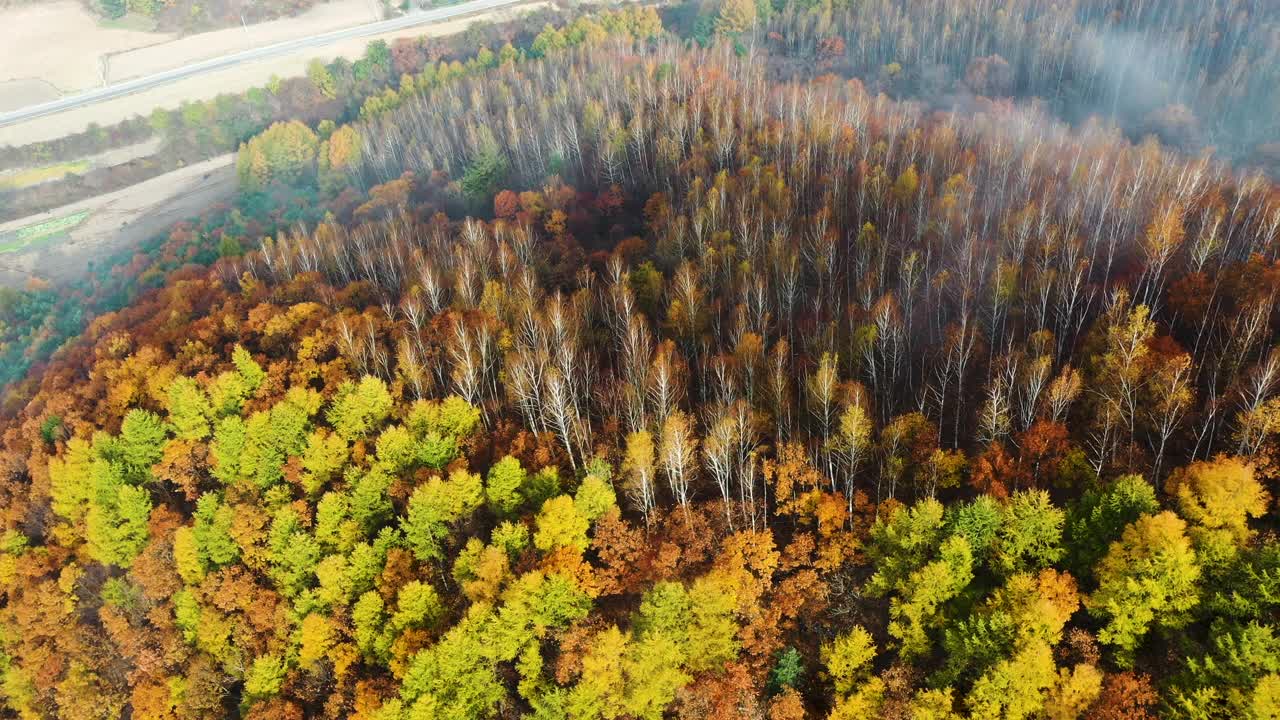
column 121, row 155
column 117, row 220
column 110, row 158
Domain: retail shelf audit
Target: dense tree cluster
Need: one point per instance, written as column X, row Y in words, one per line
column 627, row 381
column 187, row 16
column 1195, row 74
column 36, row 321
column 332, row 92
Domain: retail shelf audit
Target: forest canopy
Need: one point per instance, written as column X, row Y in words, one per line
column 632, row 377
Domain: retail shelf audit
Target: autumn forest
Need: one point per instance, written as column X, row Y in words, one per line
column 770, row 360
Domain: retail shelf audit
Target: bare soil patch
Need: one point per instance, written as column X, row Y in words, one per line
column 16, row 94
column 117, row 220
column 60, row 42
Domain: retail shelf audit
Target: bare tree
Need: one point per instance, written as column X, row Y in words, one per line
column 678, row 456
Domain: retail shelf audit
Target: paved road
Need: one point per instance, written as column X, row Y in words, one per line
column 145, row 83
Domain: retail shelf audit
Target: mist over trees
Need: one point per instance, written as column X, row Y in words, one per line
column 636, row 378
column 1195, row 74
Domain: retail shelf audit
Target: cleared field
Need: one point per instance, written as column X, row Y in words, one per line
column 333, row 15
column 60, row 43
column 109, row 222
column 16, row 94
column 31, row 235
column 35, row 176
